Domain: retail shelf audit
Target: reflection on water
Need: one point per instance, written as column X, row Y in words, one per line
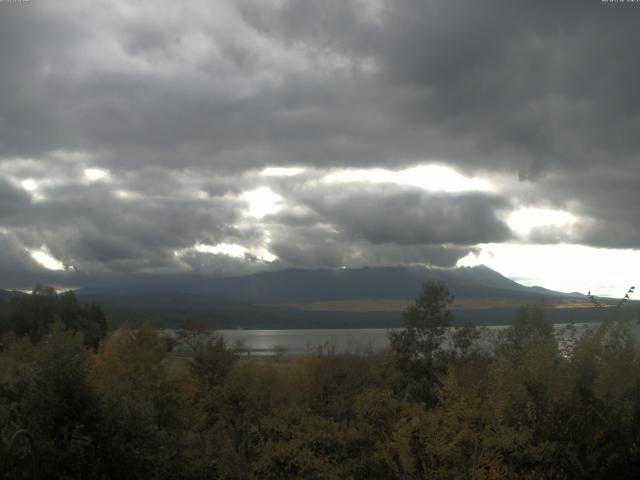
column 359, row 340
column 269, row 342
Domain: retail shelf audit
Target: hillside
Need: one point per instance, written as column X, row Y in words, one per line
column 295, row 286
column 366, row 297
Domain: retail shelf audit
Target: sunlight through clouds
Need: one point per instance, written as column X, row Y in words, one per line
column 29, row 185
column 46, row 259
column 95, row 174
column 33, row 188
column 437, row 178
column 524, row 220
column 233, row 250
column 230, row 249
column 282, row 171
column 262, row 201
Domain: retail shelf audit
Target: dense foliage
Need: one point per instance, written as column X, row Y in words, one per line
column 433, row 405
column 33, row 315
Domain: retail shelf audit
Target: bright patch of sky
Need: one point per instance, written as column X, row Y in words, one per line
column 262, row 201
column 265, row 256
column 29, row 184
column 233, row 250
column 438, row 178
column 563, row 267
column 230, row 249
column 126, row 194
column 95, row 174
column 524, row 220
column 282, row 171
column 44, row 258
column 32, row 187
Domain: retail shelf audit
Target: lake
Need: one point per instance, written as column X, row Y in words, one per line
column 296, row 341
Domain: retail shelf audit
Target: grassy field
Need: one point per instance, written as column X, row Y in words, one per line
column 364, row 305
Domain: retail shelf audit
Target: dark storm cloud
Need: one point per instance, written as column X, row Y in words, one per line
column 534, row 79
column 408, row 216
column 358, row 224
column 139, row 93
column 12, row 198
column 323, row 246
column 604, row 199
column 184, row 104
column 16, row 262
column 93, row 228
column 527, row 86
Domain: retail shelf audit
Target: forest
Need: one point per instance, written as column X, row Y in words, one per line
column 78, row 401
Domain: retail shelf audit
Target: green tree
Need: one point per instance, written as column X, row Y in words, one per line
column 143, row 407
column 417, row 346
column 529, row 322
column 32, row 316
column 212, row 361
column 60, row 408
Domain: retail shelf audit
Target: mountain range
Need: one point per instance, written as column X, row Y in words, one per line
column 294, row 298
column 327, row 298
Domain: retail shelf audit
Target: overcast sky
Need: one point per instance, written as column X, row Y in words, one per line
column 156, row 139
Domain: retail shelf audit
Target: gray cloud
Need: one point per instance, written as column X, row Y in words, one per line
column 185, row 104
column 408, row 216
column 12, row 199
column 323, row 246
column 497, row 84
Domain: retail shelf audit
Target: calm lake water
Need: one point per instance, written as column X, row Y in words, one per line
column 271, row 342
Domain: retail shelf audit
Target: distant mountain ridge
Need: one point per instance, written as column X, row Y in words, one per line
column 6, row 295
column 325, row 298
column 296, row 285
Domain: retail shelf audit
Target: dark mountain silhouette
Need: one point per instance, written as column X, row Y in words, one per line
column 6, row 295
column 280, row 299
column 294, row 286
